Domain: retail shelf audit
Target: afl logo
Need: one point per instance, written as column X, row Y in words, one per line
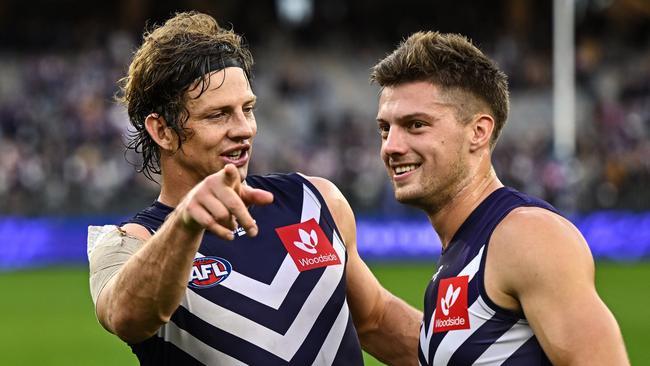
column 208, row 272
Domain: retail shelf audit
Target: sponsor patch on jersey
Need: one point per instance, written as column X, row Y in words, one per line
column 209, row 271
column 451, row 305
column 308, row 245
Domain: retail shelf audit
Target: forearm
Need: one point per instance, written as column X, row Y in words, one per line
column 394, row 338
column 149, row 287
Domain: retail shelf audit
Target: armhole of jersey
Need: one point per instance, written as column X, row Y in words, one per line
column 138, row 222
column 151, row 218
column 326, row 213
column 500, row 311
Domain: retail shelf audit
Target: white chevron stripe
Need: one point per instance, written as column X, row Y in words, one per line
column 470, row 270
column 425, row 337
column 284, row 346
column 506, row 345
column 453, row 340
column 195, row 347
column 273, row 294
column 332, row 343
column 310, row 207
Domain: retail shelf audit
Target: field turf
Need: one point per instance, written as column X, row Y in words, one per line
column 46, row 316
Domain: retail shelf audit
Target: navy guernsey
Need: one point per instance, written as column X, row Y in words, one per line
column 276, row 299
column 461, row 325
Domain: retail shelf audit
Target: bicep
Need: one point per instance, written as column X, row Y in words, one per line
column 366, row 297
column 571, row 322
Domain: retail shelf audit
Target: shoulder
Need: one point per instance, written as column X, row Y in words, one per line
column 533, row 244
column 330, row 192
column 536, row 225
column 327, row 189
column 338, row 206
column 136, row 230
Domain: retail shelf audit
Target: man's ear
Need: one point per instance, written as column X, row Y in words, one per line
column 164, row 136
column 482, row 128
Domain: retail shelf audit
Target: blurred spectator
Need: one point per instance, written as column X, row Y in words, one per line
column 62, row 137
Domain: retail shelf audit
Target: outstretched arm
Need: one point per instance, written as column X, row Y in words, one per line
column 147, row 289
column 541, row 264
column 388, row 327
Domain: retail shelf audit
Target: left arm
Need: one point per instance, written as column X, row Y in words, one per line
column 542, row 262
column 388, row 327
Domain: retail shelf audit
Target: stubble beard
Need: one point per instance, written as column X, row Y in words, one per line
column 433, row 193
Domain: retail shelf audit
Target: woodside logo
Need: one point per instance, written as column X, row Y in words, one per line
column 307, row 242
column 451, row 309
column 308, row 245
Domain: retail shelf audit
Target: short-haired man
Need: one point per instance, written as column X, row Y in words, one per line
column 515, row 281
column 180, row 282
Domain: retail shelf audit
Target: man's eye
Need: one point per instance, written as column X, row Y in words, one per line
column 417, row 124
column 249, row 109
column 383, row 129
column 216, row 116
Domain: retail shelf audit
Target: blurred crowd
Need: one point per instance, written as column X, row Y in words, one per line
column 62, row 137
column 611, row 167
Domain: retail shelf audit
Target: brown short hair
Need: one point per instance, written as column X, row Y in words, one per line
column 172, row 59
column 452, row 62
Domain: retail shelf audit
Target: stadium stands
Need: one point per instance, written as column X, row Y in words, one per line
column 62, row 136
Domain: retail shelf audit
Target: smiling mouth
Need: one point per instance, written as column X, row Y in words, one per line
column 235, row 154
column 403, row 169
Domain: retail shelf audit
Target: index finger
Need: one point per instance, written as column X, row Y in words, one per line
column 231, row 176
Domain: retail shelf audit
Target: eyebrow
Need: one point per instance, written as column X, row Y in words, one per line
column 412, row 116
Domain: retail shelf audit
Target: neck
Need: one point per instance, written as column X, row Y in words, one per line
column 176, row 183
column 448, row 219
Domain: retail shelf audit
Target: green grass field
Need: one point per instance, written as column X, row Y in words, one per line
column 46, row 316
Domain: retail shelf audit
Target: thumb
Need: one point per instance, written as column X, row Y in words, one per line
column 254, row 196
column 231, row 176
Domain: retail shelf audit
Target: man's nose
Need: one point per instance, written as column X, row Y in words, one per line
column 243, row 126
column 395, row 142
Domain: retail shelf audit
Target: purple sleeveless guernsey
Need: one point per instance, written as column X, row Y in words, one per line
column 461, row 325
column 276, row 299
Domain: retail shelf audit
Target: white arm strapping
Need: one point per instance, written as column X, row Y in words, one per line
column 109, row 248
